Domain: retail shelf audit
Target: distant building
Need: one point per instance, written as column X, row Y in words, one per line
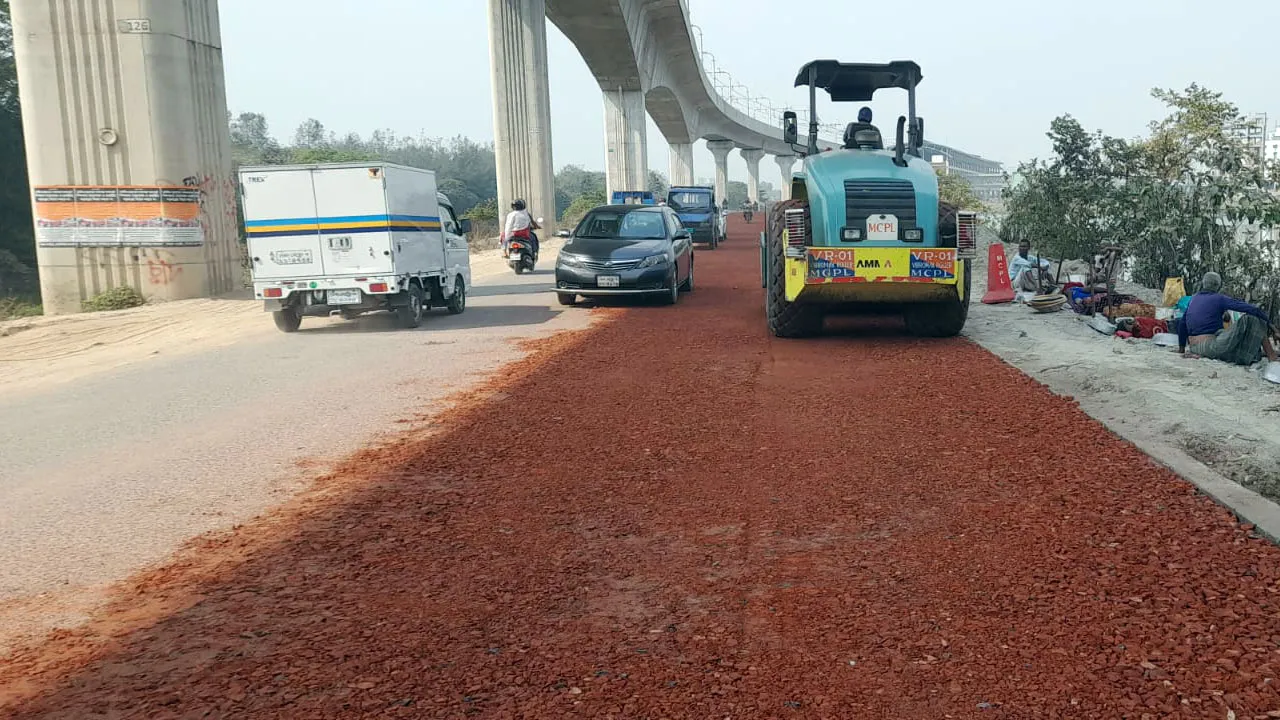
column 1252, row 132
column 1273, row 146
column 986, row 177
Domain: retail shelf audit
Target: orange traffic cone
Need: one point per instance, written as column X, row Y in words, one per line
column 999, row 289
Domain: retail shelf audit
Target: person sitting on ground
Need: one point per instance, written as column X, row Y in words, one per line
column 1201, row 332
column 1026, row 271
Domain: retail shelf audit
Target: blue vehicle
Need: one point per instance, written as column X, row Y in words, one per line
column 698, row 211
column 633, row 197
column 865, row 230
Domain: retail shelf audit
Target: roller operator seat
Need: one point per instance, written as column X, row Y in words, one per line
column 862, row 136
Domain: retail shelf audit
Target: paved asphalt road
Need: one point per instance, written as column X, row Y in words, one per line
column 109, row 473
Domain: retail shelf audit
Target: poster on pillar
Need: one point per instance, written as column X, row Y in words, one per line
column 113, row 216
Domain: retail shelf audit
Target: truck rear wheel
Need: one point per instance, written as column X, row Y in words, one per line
column 287, row 320
column 410, row 314
column 786, row 319
column 458, row 300
column 944, row 319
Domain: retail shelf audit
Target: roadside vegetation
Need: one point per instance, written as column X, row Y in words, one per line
column 956, row 191
column 118, row 298
column 1188, row 197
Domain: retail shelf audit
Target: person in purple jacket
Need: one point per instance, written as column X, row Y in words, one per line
column 1200, row 329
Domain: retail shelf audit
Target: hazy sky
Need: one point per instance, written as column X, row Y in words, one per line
column 996, row 71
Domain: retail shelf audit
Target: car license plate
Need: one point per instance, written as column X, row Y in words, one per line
column 344, row 297
column 608, row 281
column 882, row 227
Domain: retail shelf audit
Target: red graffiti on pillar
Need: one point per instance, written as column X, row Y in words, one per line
column 160, row 271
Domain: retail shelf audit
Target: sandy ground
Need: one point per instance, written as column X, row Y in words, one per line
column 1225, row 416
column 129, row 433
column 674, row 515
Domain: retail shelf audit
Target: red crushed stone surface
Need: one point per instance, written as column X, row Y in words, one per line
column 673, row 515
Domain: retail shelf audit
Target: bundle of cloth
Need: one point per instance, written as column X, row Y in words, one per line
column 1141, row 327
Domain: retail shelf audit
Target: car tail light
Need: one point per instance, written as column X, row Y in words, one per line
column 378, row 288
column 273, row 293
column 966, row 234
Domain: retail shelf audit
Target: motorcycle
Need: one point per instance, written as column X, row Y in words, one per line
column 522, row 254
column 747, row 215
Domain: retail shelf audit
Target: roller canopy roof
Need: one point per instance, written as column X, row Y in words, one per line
column 857, row 82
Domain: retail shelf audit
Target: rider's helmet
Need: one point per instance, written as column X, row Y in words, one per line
column 517, row 205
column 864, row 115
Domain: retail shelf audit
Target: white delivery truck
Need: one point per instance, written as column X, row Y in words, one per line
column 353, row 238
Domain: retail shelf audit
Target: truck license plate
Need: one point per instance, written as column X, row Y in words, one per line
column 882, row 227
column 608, row 281
column 344, row 297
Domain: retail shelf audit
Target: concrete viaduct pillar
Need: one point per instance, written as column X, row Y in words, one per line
column 753, row 158
column 522, row 107
column 626, row 141
column 681, row 163
column 720, row 150
column 125, row 115
column 785, row 165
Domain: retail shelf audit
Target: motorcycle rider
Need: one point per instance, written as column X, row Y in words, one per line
column 520, row 224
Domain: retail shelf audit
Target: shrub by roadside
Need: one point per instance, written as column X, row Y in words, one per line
column 115, row 299
column 12, row 308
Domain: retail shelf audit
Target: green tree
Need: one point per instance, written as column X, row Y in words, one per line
column 17, row 238
column 1066, row 207
column 1188, row 198
column 736, row 193
column 572, row 182
column 252, row 143
column 312, row 134
column 581, row 205
column 1205, row 199
column 657, row 184
column 486, row 211
column 956, row 191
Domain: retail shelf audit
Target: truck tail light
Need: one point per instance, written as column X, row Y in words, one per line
column 272, row 292
column 966, row 234
column 378, row 288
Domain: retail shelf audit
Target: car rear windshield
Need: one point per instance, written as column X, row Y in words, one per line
column 689, row 201
column 623, row 225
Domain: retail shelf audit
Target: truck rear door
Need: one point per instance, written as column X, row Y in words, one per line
column 354, row 227
column 280, row 221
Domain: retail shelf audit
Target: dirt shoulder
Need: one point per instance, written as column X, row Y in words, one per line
column 41, row 352
column 1224, row 416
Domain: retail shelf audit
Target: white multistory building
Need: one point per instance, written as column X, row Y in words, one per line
column 1273, row 145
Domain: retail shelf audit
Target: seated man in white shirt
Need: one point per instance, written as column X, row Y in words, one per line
column 1027, row 272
